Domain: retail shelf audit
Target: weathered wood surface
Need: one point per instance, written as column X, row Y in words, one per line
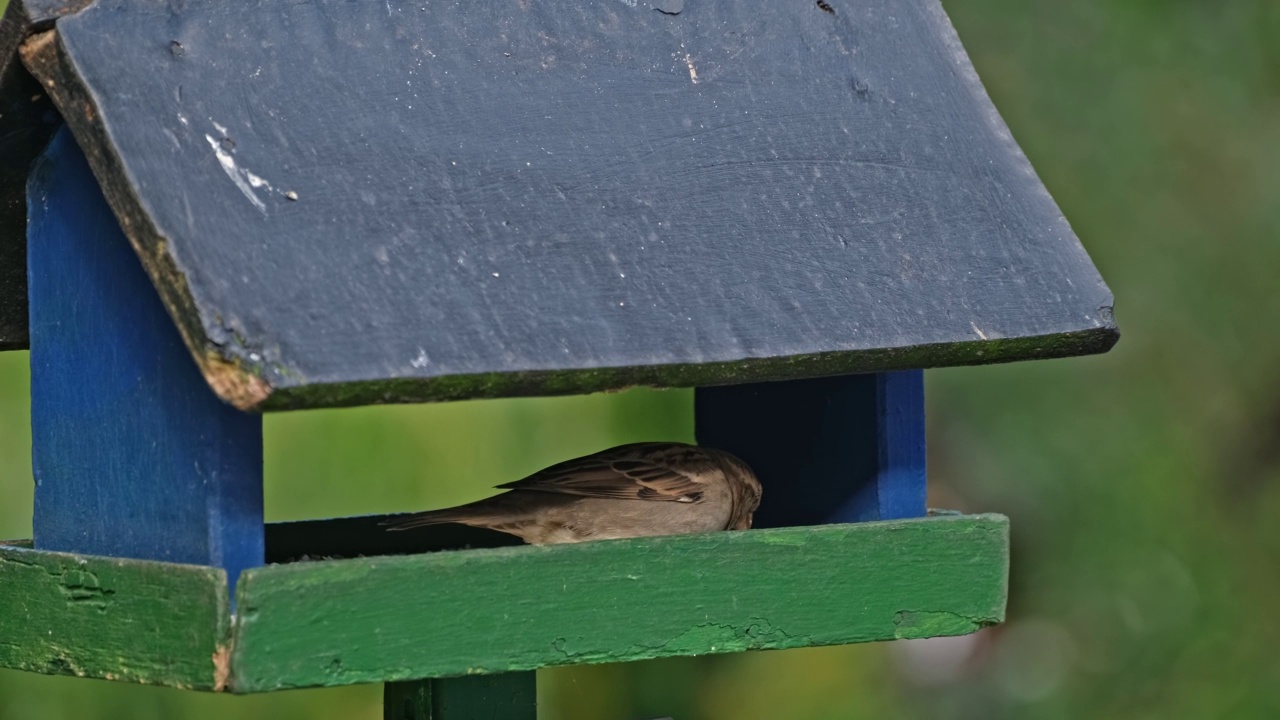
column 386, row 619
column 130, row 620
column 411, row 201
column 133, row 455
column 490, row 611
column 509, row 696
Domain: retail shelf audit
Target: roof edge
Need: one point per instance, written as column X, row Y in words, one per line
column 45, row 57
column 1089, row 341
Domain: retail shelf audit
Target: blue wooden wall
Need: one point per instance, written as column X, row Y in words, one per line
column 134, row 456
column 837, row 449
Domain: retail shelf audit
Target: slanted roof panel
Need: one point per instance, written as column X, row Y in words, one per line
column 349, row 199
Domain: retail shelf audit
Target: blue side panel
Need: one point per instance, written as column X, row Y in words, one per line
column 897, row 488
column 839, row 449
column 134, row 456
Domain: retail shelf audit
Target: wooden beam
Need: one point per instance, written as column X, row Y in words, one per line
column 898, row 488
column 493, row 611
column 133, row 455
column 521, row 608
column 131, row 620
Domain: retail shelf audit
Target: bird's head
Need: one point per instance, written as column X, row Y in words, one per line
column 745, row 488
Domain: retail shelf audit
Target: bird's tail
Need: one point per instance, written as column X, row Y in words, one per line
column 476, row 514
column 422, row 519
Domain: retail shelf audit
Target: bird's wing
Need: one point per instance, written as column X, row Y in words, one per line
column 642, row 471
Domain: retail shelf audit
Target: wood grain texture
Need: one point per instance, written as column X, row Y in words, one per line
column 509, row 696
column 129, row 620
column 133, row 455
column 560, row 197
column 492, row 611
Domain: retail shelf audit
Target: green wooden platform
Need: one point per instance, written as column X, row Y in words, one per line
column 389, row 618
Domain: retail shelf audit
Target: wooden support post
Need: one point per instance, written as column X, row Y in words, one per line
column 134, row 456
column 840, row 449
column 510, row 696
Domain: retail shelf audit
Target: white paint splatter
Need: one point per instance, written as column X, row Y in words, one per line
column 693, row 73
column 245, row 180
column 228, row 164
column 256, row 181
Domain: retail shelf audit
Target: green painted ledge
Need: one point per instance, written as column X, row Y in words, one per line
column 144, row 622
column 379, row 619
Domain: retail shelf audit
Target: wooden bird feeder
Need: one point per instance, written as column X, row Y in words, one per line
column 793, row 207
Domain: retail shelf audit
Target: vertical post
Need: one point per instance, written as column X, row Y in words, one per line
column 898, row 490
column 842, row 449
column 133, row 454
column 509, row 696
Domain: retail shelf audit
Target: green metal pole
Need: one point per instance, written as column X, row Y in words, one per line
column 509, row 696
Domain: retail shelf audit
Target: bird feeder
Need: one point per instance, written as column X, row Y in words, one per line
column 793, row 207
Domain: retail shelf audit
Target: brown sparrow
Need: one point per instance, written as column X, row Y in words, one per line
column 652, row 488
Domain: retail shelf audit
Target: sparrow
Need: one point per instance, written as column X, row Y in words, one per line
column 650, row 488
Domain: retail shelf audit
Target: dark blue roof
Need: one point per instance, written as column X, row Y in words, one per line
column 371, row 201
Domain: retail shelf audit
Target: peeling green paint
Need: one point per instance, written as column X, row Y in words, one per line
column 478, row 612
column 929, row 623
column 134, row 620
column 520, row 608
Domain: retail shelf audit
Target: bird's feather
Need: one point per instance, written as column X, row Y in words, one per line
column 695, row 489
column 640, row 471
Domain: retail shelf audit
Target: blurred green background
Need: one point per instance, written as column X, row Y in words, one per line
column 1141, row 484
